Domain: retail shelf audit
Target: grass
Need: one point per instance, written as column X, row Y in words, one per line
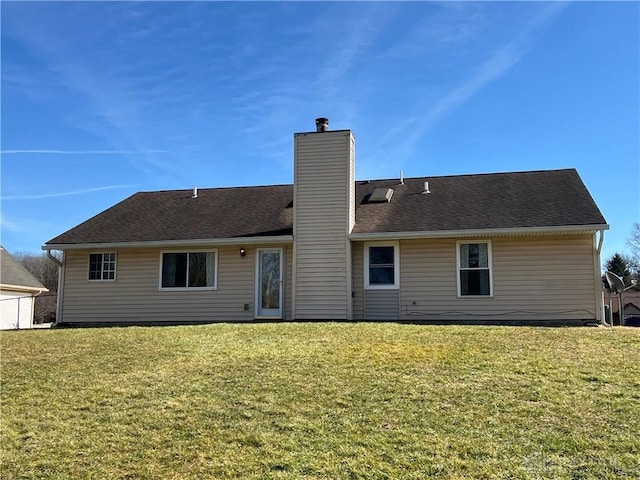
column 339, row 401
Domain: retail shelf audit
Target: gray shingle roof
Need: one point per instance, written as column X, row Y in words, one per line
column 462, row 202
column 175, row 215
column 465, row 202
column 13, row 273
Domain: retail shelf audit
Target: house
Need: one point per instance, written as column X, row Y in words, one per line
column 630, row 298
column 18, row 289
column 510, row 248
column 632, row 309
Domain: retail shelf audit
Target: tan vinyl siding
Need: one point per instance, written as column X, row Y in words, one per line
column 535, row 278
column 323, row 201
column 382, row 305
column 135, row 295
column 358, row 281
column 288, row 281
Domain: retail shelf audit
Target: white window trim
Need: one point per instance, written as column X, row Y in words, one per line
column 189, row 289
column 489, row 261
column 115, row 271
column 396, row 265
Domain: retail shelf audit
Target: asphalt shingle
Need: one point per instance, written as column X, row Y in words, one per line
column 501, row 200
column 13, row 273
column 464, row 202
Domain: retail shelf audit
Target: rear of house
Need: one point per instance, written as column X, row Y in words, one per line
column 511, row 248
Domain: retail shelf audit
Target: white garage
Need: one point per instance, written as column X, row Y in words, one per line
column 18, row 289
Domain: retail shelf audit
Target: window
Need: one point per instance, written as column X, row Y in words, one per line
column 102, row 266
column 188, row 270
column 381, row 266
column 474, row 269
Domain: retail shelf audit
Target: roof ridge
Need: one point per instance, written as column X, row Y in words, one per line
column 201, row 189
column 520, row 172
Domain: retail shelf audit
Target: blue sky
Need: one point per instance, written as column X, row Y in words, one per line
column 104, row 99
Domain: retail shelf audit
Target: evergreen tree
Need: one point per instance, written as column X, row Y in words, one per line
column 620, row 266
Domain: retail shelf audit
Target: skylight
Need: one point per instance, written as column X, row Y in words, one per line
column 381, row 195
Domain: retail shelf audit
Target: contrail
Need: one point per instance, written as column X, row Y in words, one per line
column 64, row 194
column 79, row 152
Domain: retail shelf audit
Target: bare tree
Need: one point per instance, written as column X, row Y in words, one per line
column 633, row 259
column 41, row 267
column 46, row 271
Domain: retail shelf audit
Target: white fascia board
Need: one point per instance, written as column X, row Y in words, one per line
column 22, row 288
column 489, row 232
column 174, row 243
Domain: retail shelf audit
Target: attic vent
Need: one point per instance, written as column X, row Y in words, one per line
column 381, row 195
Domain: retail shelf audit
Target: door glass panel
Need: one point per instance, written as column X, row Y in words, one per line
column 270, row 281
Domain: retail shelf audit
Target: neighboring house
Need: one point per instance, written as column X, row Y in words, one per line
column 508, row 247
column 631, row 301
column 631, row 309
column 18, row 289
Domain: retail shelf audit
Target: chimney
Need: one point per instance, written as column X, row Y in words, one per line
column 323, row 217
column 322, row 124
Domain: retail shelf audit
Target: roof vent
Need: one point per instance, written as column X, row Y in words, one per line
column 195, row 192
column 322, row 124
column 426, row 188
column 381, row 195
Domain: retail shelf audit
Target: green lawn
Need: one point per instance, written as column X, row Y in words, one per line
column 325, row 400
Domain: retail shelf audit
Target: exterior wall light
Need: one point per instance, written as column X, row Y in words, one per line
column 243, row 252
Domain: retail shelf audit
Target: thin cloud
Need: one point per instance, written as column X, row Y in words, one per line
column 80, row 152
column 24, row 225
column 11, row 225
column 64, row 194
column 497, row 66
column 362, row 31
column 117, row 105
column 502, row 60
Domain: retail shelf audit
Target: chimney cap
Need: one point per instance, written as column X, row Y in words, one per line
column 322, row 124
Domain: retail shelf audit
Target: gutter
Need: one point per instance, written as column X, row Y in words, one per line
column 170, row 243
column 564, row 229
column 480, row 232
column 23, row 288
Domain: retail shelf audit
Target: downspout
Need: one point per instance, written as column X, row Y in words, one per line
column 603, row 320
column 600, row 242
column 59, row 295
